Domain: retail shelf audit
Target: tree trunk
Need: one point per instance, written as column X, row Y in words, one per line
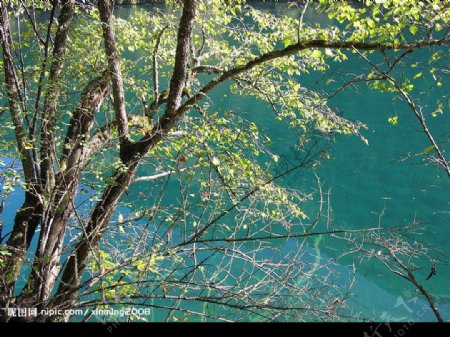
column 27, row 217
column 51, row 99
column 101, row 215
column 104, row 8
column 46, row 266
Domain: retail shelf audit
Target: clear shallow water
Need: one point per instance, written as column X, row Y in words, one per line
column 365, row 180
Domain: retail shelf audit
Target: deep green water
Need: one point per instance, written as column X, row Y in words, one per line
column 365, row 181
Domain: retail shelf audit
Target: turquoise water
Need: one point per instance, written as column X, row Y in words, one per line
column 372, row 184
column 369, row 184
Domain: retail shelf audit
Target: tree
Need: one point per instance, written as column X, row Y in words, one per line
column 162, row 128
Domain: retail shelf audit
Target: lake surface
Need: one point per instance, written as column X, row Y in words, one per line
column 367, row 181
column 369, row 184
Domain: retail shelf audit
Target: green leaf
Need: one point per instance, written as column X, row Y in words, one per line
column 287, row 41
column 393, row 120
column 427, row 149
column 413, row 30
column 316, row 54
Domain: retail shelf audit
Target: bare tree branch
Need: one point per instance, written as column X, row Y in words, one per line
column 419, row 116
